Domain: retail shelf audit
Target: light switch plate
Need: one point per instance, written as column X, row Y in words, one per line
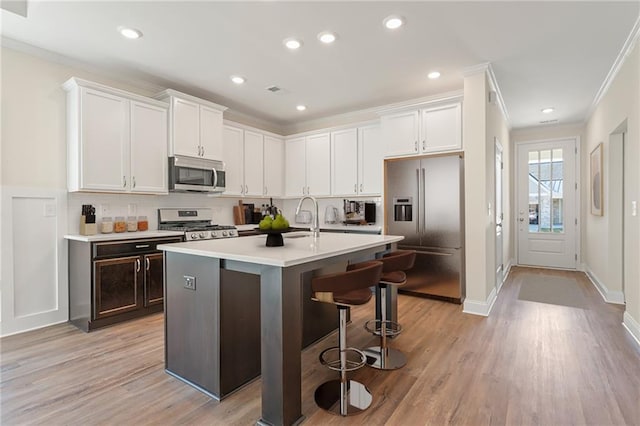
column 634, row 208
column 105, row 210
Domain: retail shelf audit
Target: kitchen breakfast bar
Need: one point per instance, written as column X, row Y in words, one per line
column 194, row 298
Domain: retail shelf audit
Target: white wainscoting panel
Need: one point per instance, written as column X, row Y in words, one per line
column 34, row 273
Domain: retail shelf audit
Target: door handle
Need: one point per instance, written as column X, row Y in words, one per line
column 146, row 261
column 418, row 205
column 138, row 265
column 424, row 212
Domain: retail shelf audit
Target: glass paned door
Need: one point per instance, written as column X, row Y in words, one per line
column 546, row 204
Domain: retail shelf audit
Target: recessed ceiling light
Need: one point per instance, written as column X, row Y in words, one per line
column 130, row 33
column 292, row 43
column 238, row 79
column 433, row 75
column 393, row 21
column 327, row 37
column 301, row 107
column 547, row 110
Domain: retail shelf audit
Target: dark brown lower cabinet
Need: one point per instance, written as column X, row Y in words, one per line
column 114, row 281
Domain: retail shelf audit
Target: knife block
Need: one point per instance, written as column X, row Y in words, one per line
column 88, row 228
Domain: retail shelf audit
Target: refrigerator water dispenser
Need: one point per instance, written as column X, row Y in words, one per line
column 403, row 209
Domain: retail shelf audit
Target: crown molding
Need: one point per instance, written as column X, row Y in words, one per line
column 475, row 69
column 626, row 50
column 494, row 85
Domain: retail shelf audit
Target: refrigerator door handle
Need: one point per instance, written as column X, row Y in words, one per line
column 436, row 253
column 418, row 204
column 424, row 202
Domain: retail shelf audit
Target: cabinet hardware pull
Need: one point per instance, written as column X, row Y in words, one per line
column 199, row 151
column 242, row 189
column 415, row 146
column 303, row 191
column 124, row 181
column 361, row 188
column 134, row 181
column 146, row 261
column 424, row 145
column 355, row 187
column 141, row 246
column 203, row 151
column 246, row 189
column 138, row 265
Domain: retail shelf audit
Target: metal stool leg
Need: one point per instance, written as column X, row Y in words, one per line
column 343, row 397
column 382, row 357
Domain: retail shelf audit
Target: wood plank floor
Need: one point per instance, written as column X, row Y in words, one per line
column 527, row 364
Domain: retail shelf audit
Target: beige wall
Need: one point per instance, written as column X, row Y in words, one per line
column 619, row 109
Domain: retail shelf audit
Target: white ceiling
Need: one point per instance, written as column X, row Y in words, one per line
column 543, row 53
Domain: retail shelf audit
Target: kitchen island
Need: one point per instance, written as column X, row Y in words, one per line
column 192, row 272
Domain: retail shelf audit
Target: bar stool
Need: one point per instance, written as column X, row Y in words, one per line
column 345, row 289
column 382, row 357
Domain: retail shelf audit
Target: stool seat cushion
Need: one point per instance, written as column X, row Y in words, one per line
column 393, row 277
column 350, row 287
column 355, row 297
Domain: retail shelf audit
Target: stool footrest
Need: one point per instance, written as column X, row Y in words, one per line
column 334, row 364
column 375, row 327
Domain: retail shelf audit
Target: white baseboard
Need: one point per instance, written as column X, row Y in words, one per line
column 483, row 308
column 609, row 296
column 632, row 326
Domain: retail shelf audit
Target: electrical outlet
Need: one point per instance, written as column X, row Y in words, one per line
column 634, row 208
column 189, row 282
column 105, row 210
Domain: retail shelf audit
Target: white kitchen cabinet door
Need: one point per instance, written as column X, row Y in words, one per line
column 210, row 133
column 233, row 157
column 104, row 149
column 344, row 165
column 401, row 132
column 318, row 164
column 253, row 163
column 295, row 183
column 148, row 149
column 371, row 159
column 441, row 128
column 186, row 128
column 273, row 166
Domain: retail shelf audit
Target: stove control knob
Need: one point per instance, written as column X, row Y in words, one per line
column 194, row 236
column 214, row 234
column 224, row 233
column 233, row 233
column 202, row 235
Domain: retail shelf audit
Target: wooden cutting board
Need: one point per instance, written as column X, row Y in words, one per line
column 238, row 215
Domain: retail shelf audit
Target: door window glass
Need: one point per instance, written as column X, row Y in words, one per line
column 546, row 213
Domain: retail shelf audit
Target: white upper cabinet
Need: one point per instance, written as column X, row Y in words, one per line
column 401, row 132
column 370, row 160
column 344, row 165
column 357, row 156
column 253, row 163
column 441, row 128
column 116, row 141
column 318, row 164
column 233, row 157
column 295, row 183
column 434, row 129
column 273, row 166
column 195, row 125
column 148, row 148
column 308, row 165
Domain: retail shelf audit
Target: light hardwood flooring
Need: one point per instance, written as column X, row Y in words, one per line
column 528, row 363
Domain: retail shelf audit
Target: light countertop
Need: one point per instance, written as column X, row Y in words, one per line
column 122, row 236
column 299, row 247
column 325, row 226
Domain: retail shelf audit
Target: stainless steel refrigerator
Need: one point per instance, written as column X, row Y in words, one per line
column 423, row 202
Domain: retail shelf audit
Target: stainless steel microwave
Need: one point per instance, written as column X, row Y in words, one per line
column 188, row 174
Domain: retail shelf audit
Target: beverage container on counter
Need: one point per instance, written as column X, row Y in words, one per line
column 132, row 224
column 143, row 223
column 106, row 226
column 120, row 225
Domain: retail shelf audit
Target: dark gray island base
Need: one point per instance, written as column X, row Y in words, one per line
column 208, row 306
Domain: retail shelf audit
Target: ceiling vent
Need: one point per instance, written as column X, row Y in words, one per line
column 273, row 89
column 548, row 121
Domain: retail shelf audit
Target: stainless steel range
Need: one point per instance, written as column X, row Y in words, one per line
column 195, row 223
